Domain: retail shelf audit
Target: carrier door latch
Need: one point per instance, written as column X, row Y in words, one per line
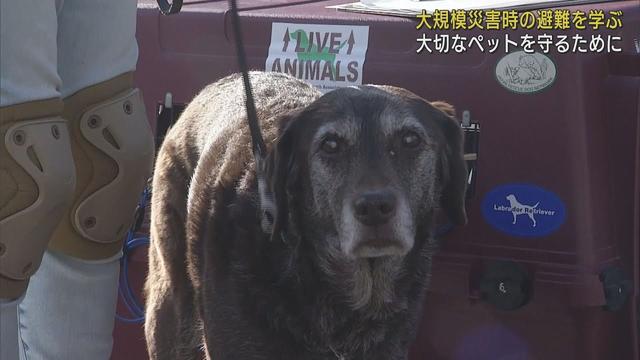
column 471, row 141
column 506, row 285
column 167, row 113
column 617, row 288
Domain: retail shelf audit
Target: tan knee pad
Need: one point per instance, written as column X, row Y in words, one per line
column 38, row 178
column 113, row 150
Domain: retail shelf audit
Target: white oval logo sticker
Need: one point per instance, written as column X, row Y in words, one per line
column 525, row 73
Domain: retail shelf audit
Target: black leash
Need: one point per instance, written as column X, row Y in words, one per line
column 259, row 148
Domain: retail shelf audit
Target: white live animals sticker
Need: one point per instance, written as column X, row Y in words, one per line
column 326, row 56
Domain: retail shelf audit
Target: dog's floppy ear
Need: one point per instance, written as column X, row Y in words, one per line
column 281, row 174
column 445, row 107
column 454, row 168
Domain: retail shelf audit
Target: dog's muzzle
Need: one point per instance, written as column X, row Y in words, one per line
column 377, row 235
column 375, row 208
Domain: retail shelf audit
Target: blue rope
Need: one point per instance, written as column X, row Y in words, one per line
column 444, row 229
column 135, row 309
column 138, row 309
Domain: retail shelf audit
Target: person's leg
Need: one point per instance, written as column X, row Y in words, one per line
column 8, row 329
column 28, row 50
column 112, row 148
column 96, row 42
column 36, row 166
column 77, row 321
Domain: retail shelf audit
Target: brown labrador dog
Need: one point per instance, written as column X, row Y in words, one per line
column 356, row 177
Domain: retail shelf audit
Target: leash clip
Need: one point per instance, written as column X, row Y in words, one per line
column 169, row 9
column 471, row 131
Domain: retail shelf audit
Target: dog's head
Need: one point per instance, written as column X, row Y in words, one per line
column 364, row 167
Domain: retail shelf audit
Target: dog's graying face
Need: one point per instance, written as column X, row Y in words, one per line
column 371, row 163
column 372, row 167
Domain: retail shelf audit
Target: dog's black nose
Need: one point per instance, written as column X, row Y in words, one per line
column 375, row 207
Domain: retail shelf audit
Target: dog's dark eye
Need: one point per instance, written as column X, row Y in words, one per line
column 330, row 145
column 410, row 139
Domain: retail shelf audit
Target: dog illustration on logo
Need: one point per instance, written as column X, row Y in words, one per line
column 518, row 209
column 529, row 70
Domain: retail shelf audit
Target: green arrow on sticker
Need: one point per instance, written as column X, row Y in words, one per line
column 313, row 53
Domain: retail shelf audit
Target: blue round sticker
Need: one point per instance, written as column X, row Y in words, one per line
column 523, row 210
